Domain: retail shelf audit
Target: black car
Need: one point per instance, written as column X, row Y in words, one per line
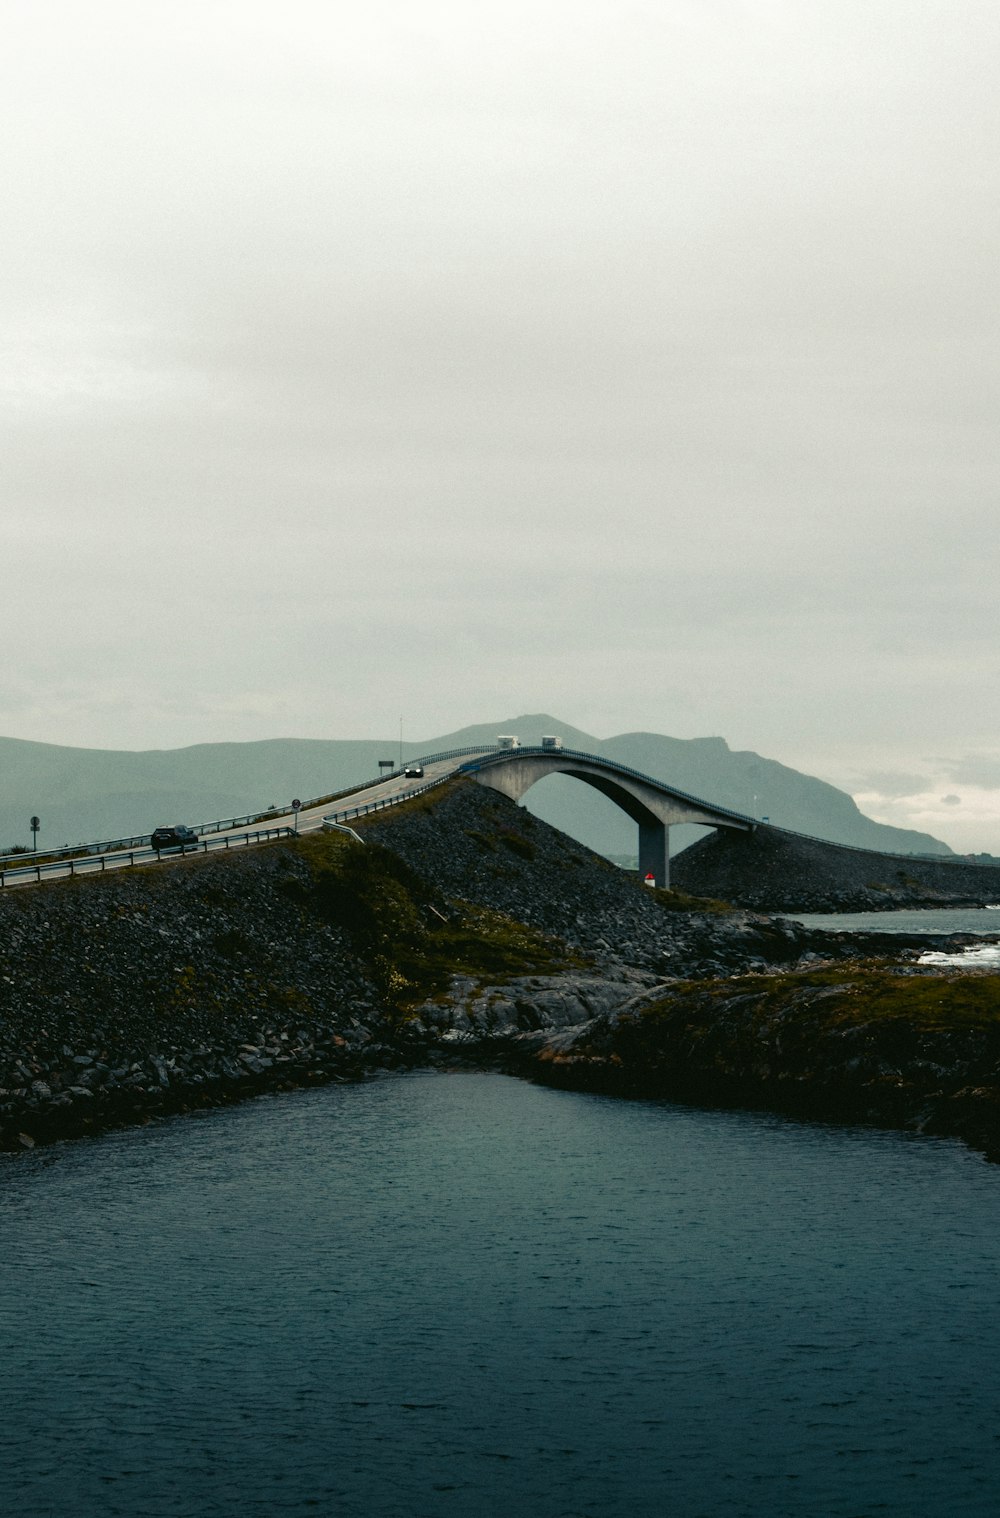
column 414, row 772
column 178, row 837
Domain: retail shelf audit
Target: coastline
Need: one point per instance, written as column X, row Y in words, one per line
column 465, row 932
column 868, row 1043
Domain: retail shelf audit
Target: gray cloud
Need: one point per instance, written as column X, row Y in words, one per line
column 894, row 782
column 634, row 363
column 976, row 769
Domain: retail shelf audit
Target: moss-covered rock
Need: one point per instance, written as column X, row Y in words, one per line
column 862, row 1042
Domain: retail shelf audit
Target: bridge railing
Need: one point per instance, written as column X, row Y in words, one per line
column 262, row 815
column 141, row 840
column 77, row 857
column 381, row 803
column 858, row 848
column 500, row 757
column 482, row 758
column 91, row 864
column 868, row 848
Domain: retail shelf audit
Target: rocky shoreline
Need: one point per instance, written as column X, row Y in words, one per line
column 796, row 1044
column 463, row 930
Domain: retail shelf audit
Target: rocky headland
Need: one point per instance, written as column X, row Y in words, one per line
column 463, row 929
column 770, row 870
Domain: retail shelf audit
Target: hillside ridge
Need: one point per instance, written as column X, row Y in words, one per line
column 82, row 795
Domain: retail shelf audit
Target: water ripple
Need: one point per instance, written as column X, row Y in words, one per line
column 434, row 1295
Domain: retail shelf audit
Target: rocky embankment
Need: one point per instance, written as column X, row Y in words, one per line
column 773, row 871
column 151, row 991
column 463, row 928
column 863, row 1042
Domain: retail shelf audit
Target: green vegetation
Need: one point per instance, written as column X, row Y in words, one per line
column 412, row 940
column 485, row 942
column 509, row 837
column 857, row 995
column 517, row 843
column 680, row 901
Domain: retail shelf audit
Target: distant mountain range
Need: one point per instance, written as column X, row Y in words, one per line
column 81, row 795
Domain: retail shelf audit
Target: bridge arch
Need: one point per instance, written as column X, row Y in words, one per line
column 651, row 804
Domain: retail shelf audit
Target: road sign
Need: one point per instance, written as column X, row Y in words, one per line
column 296, row 804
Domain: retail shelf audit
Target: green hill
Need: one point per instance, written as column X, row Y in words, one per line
column 82, row 795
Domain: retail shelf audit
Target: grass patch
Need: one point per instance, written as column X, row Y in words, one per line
column 930, row 1002
column 856, row 996
column 484, row 942
column 518, row 844
column 680, row 901
column 411, row 939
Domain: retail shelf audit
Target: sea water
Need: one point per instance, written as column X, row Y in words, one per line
column 985, row 920
column 437, row 1294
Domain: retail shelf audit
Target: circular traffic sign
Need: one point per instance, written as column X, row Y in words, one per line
column 296, row 804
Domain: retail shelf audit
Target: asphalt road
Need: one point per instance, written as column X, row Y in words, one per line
column 310, row 819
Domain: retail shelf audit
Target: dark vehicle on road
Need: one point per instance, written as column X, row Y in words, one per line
column 178, row 837
column 413, row 772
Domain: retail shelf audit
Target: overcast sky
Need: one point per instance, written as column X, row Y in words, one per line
column 449, row 359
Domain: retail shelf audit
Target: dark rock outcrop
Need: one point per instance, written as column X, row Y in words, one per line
column 145, row 992
column 774, row 871
column 857, row 1043
column 462, row 928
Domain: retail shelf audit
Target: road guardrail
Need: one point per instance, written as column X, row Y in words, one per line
column 91, row 864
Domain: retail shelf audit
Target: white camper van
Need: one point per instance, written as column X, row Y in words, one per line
column 550, row 741
column 508, row 740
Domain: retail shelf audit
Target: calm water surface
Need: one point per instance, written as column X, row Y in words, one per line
column 462, row 1295
column 920, row 920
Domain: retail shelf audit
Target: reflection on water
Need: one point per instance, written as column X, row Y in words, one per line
column 436, row 1295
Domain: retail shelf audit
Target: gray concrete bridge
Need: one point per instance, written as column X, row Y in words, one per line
column 653, row 805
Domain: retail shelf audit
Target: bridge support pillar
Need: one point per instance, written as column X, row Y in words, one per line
column 654, row 852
